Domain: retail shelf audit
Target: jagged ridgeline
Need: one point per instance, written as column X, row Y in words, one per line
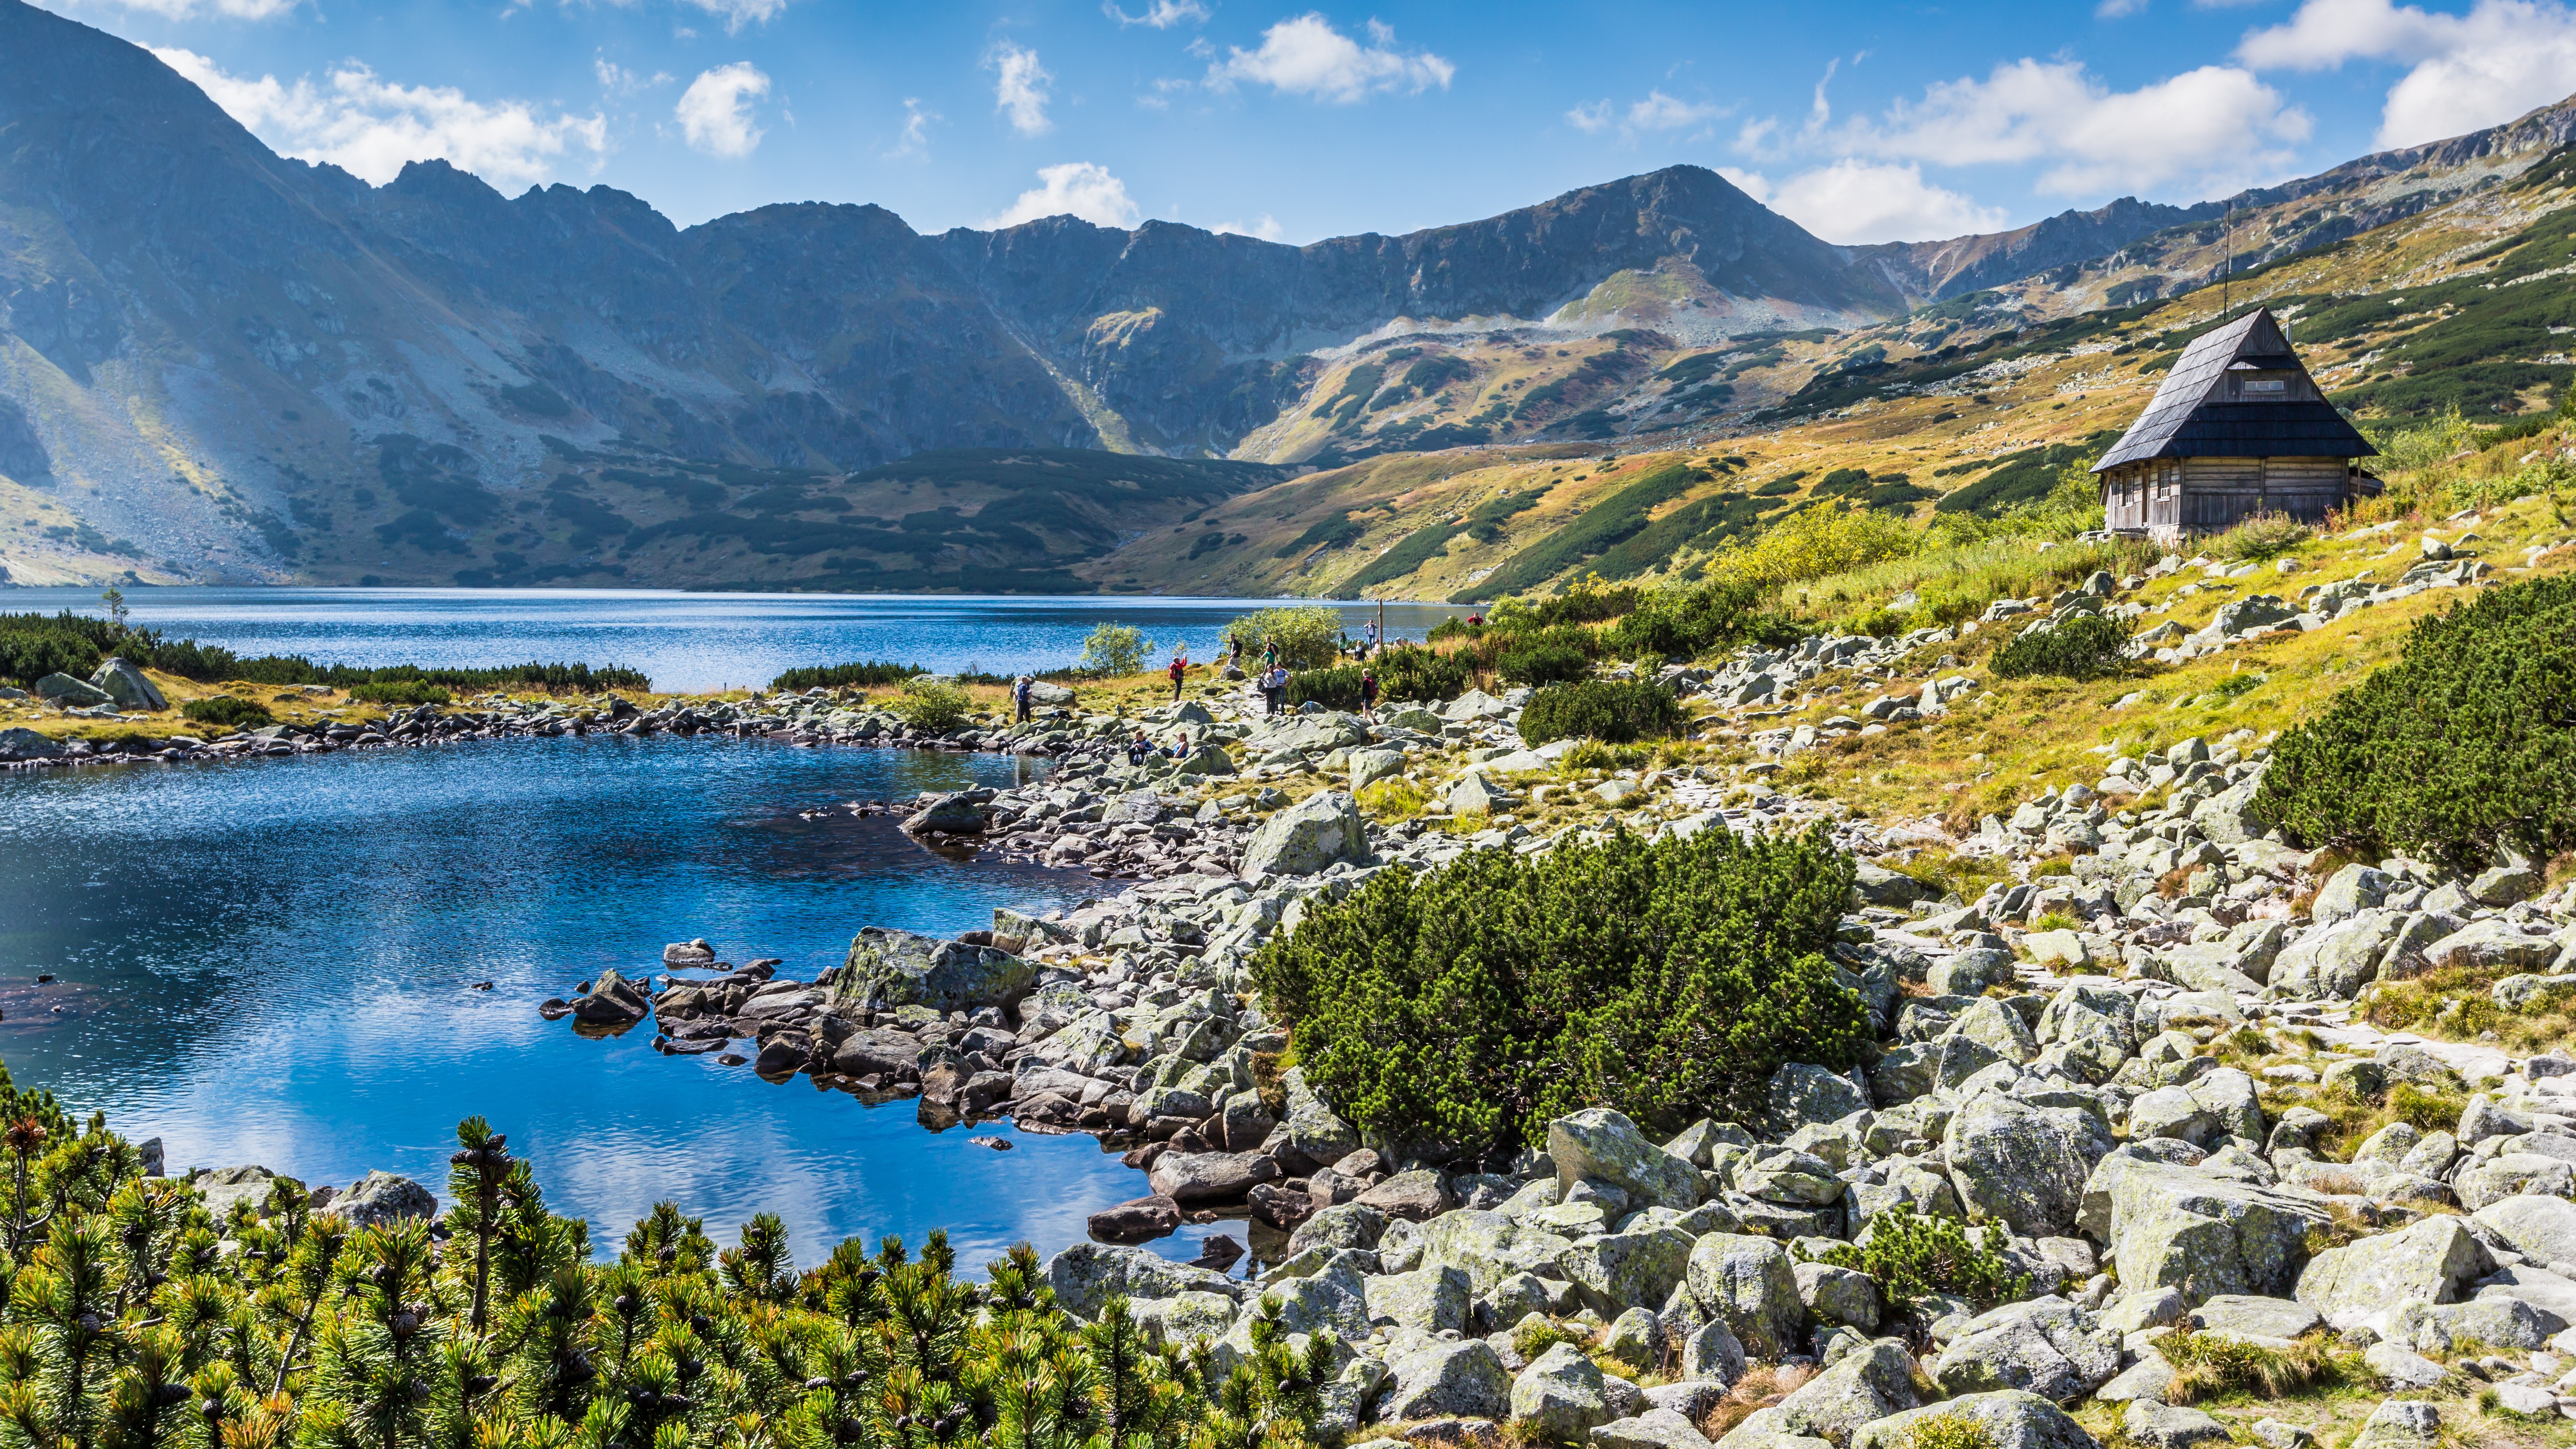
column 140, row 1319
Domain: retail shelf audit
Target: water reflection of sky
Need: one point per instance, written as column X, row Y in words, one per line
column 273, row 962
column 684, row 641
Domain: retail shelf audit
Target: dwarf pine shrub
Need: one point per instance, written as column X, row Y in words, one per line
column 1912, row 1256
column 2086, row 646
column 2466, row 744
column 1616, row 711
column 1666, row 980
column 227, row 711
column 139, row 1320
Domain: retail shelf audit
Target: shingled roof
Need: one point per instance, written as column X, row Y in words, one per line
column 2188, row 417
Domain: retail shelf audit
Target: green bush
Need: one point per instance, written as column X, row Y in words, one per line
column 1115, row 650
column 2086, row 646
column 1666, row 980
column 1912, row 1257
column 228, row 712
column 845, row 676
column 401, row 691
column 932, row 705
column 1688, row 623
column 2467, row 743
column 141, row 1320
column 1309, row 636
column 1404, row 671
column 27, row 656
column 1616, row 711
column 1949, row 1429
column 1548, row 656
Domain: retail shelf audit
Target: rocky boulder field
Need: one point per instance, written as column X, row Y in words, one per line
column 2138, row 1070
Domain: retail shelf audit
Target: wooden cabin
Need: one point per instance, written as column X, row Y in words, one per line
column 2237, row 429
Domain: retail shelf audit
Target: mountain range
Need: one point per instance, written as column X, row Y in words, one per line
column 217, row 363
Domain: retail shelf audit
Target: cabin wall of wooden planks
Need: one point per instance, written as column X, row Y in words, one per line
column 2170, row 497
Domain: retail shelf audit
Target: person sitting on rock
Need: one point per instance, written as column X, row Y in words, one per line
column 1138, row 748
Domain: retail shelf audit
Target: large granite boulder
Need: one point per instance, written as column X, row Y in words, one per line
column 611, row 1001
column 1618, row 1271
column 2429, row 1261
column 1604, row 1146
column 1490, row 1247
column 128, row 686
column 958, row 812
column 2540, row 1228
column 1443, row 1380
column 1429, row 1300
column 1087, row 1275
column 72, row 693
column 1749, row 1284
column 2009, row 1418
column 1306, row 837
column 21, row 743
column 2172, row 1226
column 1802, row 1094
column 1865, row 1386
column 1561, row 1394
column 2047, row 1346
column 1197, row 1178
column 1312, row 1127
column 382, row 1198
column 2022, row 1165
column 887, row 969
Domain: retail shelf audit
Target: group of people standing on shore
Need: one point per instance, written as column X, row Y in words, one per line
column 1271, row 680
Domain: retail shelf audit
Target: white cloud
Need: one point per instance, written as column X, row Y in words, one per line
column 916, row 130
column 1021, row 90
column 1657, row 112
column 618, row 80
column 2469, row 71
column 1854, row 202
column 2203, row 125
column 1076, row 188
column 369, row 127
column 1162, row 14
column 2114, row 9
column 190, row 9
column 715, row 111
column 738, row 13
column 1305, row 55
column 1267, row 228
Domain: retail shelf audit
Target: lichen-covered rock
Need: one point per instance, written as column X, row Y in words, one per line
column 887, row 969
column 1604, row 1146
column 1432, row 1300
column 1490, row 1247
column 1801, row 1093
column 2010, row 1418
column 2428, row 1261
column 1714, row 1353
column 128, row 686
column 2512, row 1174
column 2400, row 1424
column 2022, row 1165
column 1087, row 1275
column 1185, row 1318
column 2179, row 1227
column 382, row 1198
column 2542, row 1229
column 1561, row 1394
column 1619, row 1271
column 2048, row 1347
column 1343, row 1225
column 1865, row 1386
column 1838, row 1295
column 1448, row 1380
column 2152, row 1425
column 1749, row 1284
column 1313, row 1128
column 1306, row 837
column 1654, row 1429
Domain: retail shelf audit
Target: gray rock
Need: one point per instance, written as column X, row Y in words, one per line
column 20, row 743
column 2429, row 1261
column 127, row 686
column 2542, row 1229
column 380, row 1198
column 2048, row 1347
column 2403, row 1368
column 1343, row 1225
column 1838, row 1295
column 1087, row 1275
column 1490, row 1248
column 1604, row 1146
column 954, row 813
column 1367, row 767
column 1749, row 1284
column 2400, row 1424
column 2022, row 1165
column 2347, row 892
column 1860, row 1389
column 1432, row 1300
column 1713, row 1353
column 887, row 969
column 1618, row 1271
column 2012, row 1420
column 1801, row 1093
column 1210, row 1177
column 1636, row 1338
column 611, row 1001
column 2498, row 886
column 221, row 1187
column 72, row 693
column 2251, row 1313
column 2510, row 1174
column 1653, row 1429
column 1306, row 837
column 1312, row 1127
column 1448, row 1380
column 2152, row 1425
column 1414, row 1196
column 1561, row 1394
column 2447, row 1327
column 2196, row 1231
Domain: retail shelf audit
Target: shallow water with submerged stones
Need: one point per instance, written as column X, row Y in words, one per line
column 278, row 961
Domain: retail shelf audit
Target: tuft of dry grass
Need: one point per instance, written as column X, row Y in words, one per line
column 1760, row 1388
column 2210, row 1365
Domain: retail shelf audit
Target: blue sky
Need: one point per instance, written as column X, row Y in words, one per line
column 1864, row 122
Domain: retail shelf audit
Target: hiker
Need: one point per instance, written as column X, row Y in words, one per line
column 1234, row 648
column 1180, row 748
column 1269, row 654
column 1180, row 666
column 1368, row 694
column 1138, row 748
column 1021, row 690
column 1274, row 687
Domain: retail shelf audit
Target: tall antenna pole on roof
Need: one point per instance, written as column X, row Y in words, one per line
column 2227, row 263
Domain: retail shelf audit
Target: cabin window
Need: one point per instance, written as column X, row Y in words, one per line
column 2260, row 386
